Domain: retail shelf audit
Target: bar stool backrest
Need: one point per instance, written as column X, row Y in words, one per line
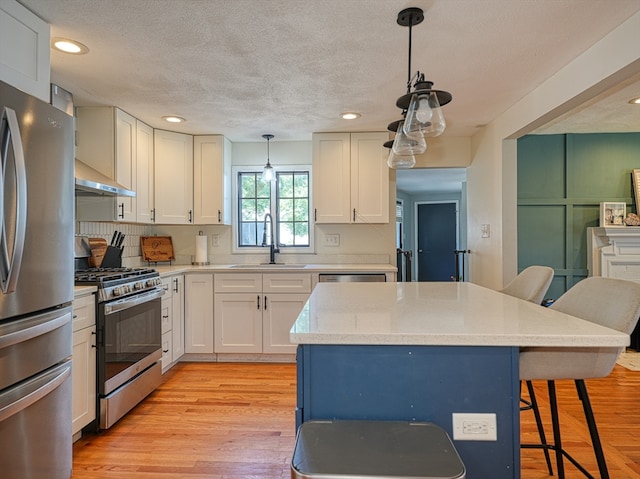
column 531, row 284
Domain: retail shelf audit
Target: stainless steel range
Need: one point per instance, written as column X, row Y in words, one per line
column 128, row 337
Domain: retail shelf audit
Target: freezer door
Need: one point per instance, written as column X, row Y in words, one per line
column 31, row 345
column 36, row 204
column 35, row 420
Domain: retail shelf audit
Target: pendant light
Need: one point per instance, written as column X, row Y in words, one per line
column 421, row 108
column 408, row 143
column 268, row 174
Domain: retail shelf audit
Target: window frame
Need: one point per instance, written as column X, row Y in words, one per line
column 235, row 247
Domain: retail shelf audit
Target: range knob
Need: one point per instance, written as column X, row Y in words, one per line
column 116, row 291
column 158, row 281
column 150, row 283
column 138, row 286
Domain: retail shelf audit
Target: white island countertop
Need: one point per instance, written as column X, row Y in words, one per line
column 447, row 314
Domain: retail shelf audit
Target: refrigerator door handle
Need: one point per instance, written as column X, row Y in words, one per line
column 35, row 390
column 37, row 327
column 10, row 266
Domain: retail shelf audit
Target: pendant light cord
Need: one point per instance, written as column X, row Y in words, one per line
column 409, row 62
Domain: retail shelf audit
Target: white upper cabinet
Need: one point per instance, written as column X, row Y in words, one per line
column 144, row 173
column 350, row 178
column 173, row 177
column 212, row 180
column 24, row 50
column 106, row 140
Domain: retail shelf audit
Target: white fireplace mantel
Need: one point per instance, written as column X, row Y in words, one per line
column 614, row 252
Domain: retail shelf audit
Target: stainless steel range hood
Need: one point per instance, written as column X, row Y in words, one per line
column 91, row 181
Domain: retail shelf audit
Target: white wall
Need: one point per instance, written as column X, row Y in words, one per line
column 491, row 178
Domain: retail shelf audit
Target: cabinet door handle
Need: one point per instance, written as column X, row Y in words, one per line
column 190, row 216
column 315, row 214
column 165, row 316
column 121, row 214
column 219, row 217
column 175, row 287
column 153, row 215
column 165, row 351
column 265, row 302
column 258, row 302
column 354, row 214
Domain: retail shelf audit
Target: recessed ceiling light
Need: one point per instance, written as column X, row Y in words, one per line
column 173, row 119
column 69, row 46
column 635, row 101
column 350, row 115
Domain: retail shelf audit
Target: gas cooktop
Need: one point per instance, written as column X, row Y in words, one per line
column 105, row 275
column 114, row 283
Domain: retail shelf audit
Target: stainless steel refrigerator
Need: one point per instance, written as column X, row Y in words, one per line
column 36, row 287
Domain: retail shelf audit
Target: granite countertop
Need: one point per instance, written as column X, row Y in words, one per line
column 84, row 290
column 451, row 314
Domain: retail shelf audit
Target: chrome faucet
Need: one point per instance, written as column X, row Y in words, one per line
column 272, row 244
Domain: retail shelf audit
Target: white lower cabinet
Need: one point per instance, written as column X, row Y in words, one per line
column 172, row 317
column 254, row 312
column 83, row 402
column 198, row 301
column 280, row 312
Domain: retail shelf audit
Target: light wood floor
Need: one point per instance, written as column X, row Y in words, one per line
column 236, row 421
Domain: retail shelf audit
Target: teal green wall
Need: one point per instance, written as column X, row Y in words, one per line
column 561, row 181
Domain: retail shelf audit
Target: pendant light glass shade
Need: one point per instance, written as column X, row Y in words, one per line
column 425, row 115
column 419, row 113
column 438, row 125
column 268, row 173
column 405, row 145
column 398, row 162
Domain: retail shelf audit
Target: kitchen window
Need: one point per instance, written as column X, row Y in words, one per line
column 287, row 199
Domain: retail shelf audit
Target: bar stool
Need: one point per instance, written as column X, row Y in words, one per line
column 532, row 285
column 609, row 302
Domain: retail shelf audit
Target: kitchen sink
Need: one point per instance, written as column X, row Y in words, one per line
column 269, row 265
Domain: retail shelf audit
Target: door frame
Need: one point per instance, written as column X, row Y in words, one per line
column 414, row 273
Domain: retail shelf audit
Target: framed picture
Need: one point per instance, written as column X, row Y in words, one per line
column 635, row 177
column 612, row 213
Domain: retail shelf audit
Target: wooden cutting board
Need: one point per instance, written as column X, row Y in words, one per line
column 156, row 248
column 98, row 248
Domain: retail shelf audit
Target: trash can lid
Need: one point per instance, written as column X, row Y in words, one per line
column 374, row 449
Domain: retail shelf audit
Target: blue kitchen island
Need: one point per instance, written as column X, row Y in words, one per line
column 425, row 351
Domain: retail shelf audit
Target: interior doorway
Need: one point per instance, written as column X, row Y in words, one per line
column 430, row 185
column 437, row 240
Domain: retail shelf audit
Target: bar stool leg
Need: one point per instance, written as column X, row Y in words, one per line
column 593, row 430
column 557, row 440
column 536, row 413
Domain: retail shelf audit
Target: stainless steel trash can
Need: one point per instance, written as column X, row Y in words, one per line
column 348, row 449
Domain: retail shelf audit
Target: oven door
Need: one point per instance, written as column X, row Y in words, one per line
column 129, row 338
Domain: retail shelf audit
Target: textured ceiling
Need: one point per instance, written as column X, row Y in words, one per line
column 290, row 67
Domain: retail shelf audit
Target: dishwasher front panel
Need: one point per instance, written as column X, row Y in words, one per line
column 352, row 278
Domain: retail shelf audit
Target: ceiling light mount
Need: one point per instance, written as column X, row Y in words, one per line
column 410, row 17
column 421, row 107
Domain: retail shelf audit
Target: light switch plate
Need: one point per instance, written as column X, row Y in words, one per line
column 332, row 240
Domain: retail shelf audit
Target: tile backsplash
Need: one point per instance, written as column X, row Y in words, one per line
column 131, row 254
